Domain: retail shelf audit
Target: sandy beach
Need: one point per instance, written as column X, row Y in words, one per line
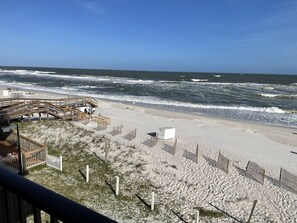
column 180, row 180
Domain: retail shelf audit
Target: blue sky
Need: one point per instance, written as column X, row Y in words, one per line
column 258, row 36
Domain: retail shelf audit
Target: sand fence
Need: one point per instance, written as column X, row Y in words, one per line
column 116, row 130
column 102, row 126
column 101, row 121
column 131, row 135
column 288, row 180
column 223, row 162
column 255, row 172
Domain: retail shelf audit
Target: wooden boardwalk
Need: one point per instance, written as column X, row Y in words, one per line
column 64, row 108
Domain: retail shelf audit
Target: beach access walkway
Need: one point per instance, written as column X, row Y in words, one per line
column 63, row 108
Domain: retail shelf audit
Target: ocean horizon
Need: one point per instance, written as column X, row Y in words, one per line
column 261, row 98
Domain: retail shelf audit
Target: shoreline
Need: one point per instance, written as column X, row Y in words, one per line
column 180, row 179
column 163, row 107
column 274, row 132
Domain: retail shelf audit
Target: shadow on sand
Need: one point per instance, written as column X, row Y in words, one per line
column 180, row 216
column 143, row 201
column 227, row 214
column 210, row 161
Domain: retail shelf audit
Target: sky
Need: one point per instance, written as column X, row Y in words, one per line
column 245, row 36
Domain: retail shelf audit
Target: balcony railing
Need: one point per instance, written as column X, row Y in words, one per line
column 16, row 192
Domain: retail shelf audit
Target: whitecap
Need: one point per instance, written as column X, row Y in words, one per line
column 199, row 80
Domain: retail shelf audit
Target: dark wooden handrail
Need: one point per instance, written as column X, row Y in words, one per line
column 57, row 206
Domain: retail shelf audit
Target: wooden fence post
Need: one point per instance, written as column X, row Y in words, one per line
column 117, row 185
column 197, row 152
column 197, row 216
column 153, row 201
column 61, row 163
column 87, row 173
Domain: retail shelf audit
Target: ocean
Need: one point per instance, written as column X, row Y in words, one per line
column 258, row 98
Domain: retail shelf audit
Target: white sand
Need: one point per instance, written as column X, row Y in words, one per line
column 203, row 184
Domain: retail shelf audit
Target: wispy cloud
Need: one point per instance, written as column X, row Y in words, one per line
column 249, row 39
column 92, row 6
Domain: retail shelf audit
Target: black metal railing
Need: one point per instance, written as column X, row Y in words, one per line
column 17, row 193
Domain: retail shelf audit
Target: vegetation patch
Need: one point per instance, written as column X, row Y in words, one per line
column 209, row 213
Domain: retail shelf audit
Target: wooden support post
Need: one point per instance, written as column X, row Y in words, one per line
column 197, row 216
column 39, row 116
column 24, row 163
column 87, row 173
column 252, row 211
column 117, row 185
column 19, row 151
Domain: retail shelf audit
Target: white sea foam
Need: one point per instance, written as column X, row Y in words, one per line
column 217, row 75
column 199, row 80
column 88, row 86
column 115, row 80
column 281, row 96
column 28, row 72
column 269, row 95
column 140, row 81
column 145, row 99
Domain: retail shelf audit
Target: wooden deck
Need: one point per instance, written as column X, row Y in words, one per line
column 6, row 147
column 65, row 108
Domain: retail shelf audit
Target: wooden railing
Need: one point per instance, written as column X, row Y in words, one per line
column 61, row 102
column 33, row 153
column 26, row 143
column 34, row 158
column 101, row 119
column 32, row 107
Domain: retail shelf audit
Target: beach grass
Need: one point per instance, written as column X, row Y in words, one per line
column 209, row 213
column 98, row 194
